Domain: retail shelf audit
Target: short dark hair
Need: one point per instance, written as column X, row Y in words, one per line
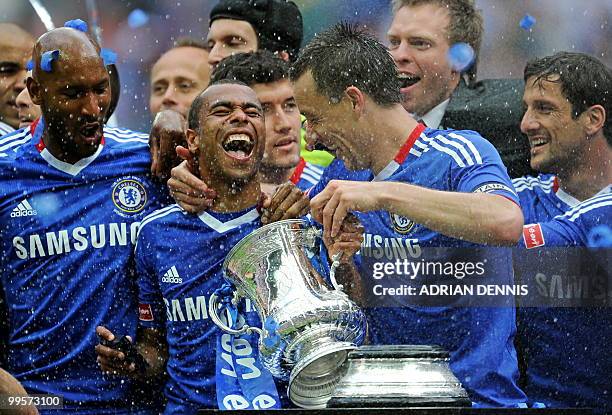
column 585, row 81
column 193, row 118
column 259, row 67
column 277, row 23
column 344, row 56
column 466, row 25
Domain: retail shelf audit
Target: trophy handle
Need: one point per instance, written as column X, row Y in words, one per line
column 332, row 272
column 213, row 307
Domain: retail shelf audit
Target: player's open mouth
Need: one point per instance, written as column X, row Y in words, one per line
column 90, row 130
column 238, row 146
column 408, row 80
column 538, row 142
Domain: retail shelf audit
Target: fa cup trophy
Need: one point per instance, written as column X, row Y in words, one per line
column 316, row 326
column 311, row 331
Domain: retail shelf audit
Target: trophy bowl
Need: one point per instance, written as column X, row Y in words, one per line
column 308, row 327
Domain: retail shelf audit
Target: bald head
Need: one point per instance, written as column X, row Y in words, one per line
column 15, row 50
column 74, row 96
column 75, row 48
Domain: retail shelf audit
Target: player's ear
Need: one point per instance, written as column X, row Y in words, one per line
column 283, row 55
column 193, row 141
column 594, row 119
column 34, row 90
column 356, row 98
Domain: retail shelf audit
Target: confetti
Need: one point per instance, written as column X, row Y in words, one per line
column 461, row 56
column 137, row 18
column 77, row 24
column 527, row 22
column 47, row 59
column 108, row 56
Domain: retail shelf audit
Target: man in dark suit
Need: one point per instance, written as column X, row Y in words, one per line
column 442, row 97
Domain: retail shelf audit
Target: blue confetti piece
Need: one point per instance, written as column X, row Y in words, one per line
column 461, row 56
column 77, row 24
column 47, row 59
column 527, row 22
column 600, row 237
column 108, row 56
column 137, row 18
column 30, row 65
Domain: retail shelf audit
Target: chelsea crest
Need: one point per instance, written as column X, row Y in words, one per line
column 401, row 224
column 129, row 195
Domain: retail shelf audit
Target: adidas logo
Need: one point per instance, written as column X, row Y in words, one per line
column 171, row 276
column 23, row 209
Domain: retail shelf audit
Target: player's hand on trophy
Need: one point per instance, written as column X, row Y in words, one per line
column 111, row 359
column 191, row 193
column 288, row 202
column 167, row 132
column 347, row 241
column 340, row 197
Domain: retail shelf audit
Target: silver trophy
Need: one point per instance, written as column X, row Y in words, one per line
column 308, row 327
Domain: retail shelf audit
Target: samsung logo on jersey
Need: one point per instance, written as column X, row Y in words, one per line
column 191, row 308
column 379, row 247
column 77, row 239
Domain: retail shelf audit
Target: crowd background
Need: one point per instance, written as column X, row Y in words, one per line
column 584, row 26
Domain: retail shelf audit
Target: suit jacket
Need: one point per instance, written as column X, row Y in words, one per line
column 493, row 107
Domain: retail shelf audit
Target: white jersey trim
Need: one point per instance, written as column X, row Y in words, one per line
column 10, row 142
column 71, row 169
column 157, row 214
column 387, row 172
column 588, row 205
column 529, row 183
column 5, row 128
column 223, row 227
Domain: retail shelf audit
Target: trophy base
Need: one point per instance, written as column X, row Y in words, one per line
column 319, row 369
column 398, row 376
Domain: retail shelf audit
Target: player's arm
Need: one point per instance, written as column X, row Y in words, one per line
column 151, row 346
column 476, row 217
column 586, row 225
column 9, row 386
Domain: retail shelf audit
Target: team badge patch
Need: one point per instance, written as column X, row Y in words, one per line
column 129, row 195
column 401, row 224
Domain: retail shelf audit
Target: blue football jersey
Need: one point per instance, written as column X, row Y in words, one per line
column 5, row 129
column 10, row 142
column 67, row 235
column 306, row 175
column 479, row 339
column 177, row 274
column 573, row 227
column 541, row 198
column 567, row 365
